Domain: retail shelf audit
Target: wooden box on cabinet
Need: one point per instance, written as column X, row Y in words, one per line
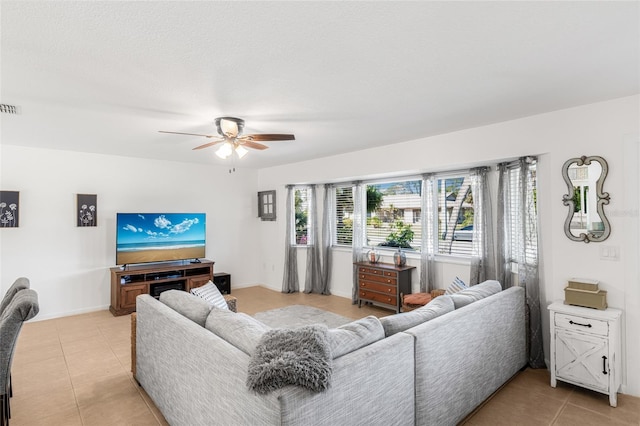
column 129, row 283
column 383, row 284
column 585, row 348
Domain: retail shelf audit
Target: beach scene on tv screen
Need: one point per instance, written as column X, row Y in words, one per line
column 155, row 237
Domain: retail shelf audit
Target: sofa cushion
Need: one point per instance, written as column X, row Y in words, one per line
column 400, row 322
column 190, row 306
column 240, row 330
column 354, row 335
column 476, row 292
column 211, row 294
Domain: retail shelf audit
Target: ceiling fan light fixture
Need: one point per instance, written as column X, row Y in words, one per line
column 225, row 150
column 241, row 151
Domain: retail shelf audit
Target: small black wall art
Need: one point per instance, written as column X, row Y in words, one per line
column 87, row 210
column 9, row 209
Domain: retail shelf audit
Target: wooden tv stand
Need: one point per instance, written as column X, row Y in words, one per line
column 128, row 283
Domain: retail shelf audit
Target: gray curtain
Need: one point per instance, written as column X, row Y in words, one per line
column 504, row 252
column 359, row 222
column 518, row 233
column 313, row 276
column 483, row 261
column 429, row 223
column 327, row 237
column 290, row 277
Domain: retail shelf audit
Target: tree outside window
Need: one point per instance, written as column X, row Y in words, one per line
column 301, row 204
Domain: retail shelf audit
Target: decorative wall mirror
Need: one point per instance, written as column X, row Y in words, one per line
column 586, row 220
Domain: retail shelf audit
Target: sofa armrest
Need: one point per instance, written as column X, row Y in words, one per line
column 133, row 344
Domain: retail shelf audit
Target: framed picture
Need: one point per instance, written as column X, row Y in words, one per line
column 9, row 209
column 267, row 205
column 87, row 209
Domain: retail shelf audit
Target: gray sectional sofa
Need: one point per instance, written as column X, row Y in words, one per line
column 430, row 366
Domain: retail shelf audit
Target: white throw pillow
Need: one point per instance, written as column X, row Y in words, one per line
column 211, row 294
column 456, row 286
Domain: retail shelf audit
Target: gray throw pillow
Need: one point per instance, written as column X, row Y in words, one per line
column 354, row 335
column 299, row 357
column 240, row 330
column 476, row 292
column 400, row 322
column 192, row 307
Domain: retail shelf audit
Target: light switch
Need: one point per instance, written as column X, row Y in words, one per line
column 610, row 253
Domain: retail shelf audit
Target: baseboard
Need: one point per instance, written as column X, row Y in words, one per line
column 69, row 313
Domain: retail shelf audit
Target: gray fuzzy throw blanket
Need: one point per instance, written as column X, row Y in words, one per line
column 300, row 356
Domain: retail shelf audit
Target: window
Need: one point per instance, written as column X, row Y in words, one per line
column 392, row 209
column 524, row 237
column 301, row 211
column 343, row 215
column 455, row 215
column 393, row 214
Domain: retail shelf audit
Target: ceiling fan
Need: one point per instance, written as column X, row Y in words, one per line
column 232, row 139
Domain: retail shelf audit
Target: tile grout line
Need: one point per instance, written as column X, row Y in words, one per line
column 564, row 405
column 131, row 378
column 66, row 363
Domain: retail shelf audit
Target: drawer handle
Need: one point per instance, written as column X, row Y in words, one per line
column 581, row 325
column 363, row 285
column 375, row 272
column 389, row 281
column 604, row 364
column 389, row 290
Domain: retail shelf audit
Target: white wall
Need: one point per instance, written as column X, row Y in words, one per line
column 69, row 266
column 609, row 129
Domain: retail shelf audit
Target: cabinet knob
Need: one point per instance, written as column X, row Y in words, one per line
column 389, row 281
column 364, row 285
column 375, row 272
column 389, row 290
column 389, row 300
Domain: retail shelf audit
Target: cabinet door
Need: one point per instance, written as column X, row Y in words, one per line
column 582, row 358
column 197, row 282
column 128, row 294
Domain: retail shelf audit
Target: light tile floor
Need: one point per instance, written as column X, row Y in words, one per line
column 76, row 371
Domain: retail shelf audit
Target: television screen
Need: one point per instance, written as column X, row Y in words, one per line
column 159, row 237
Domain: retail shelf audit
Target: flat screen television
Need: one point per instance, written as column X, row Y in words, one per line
column 159, row 237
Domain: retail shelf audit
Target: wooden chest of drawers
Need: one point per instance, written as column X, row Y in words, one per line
column 382, row 284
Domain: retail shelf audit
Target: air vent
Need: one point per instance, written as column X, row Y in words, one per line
column 8, row 109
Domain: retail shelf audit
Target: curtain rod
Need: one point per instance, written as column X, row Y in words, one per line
column 416, row 176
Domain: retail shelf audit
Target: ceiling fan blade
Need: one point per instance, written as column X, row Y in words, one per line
column 207, row 145
column 254, row 145
column 190, row 134
column 269, row 137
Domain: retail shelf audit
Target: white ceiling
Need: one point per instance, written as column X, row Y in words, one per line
column 104, row 77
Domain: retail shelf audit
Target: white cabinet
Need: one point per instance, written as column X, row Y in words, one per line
column 585, row 348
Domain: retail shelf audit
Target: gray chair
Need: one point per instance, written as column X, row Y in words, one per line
column 19, row 284
column 22, row 307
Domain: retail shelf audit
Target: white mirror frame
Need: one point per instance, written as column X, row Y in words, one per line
column 602, row 199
